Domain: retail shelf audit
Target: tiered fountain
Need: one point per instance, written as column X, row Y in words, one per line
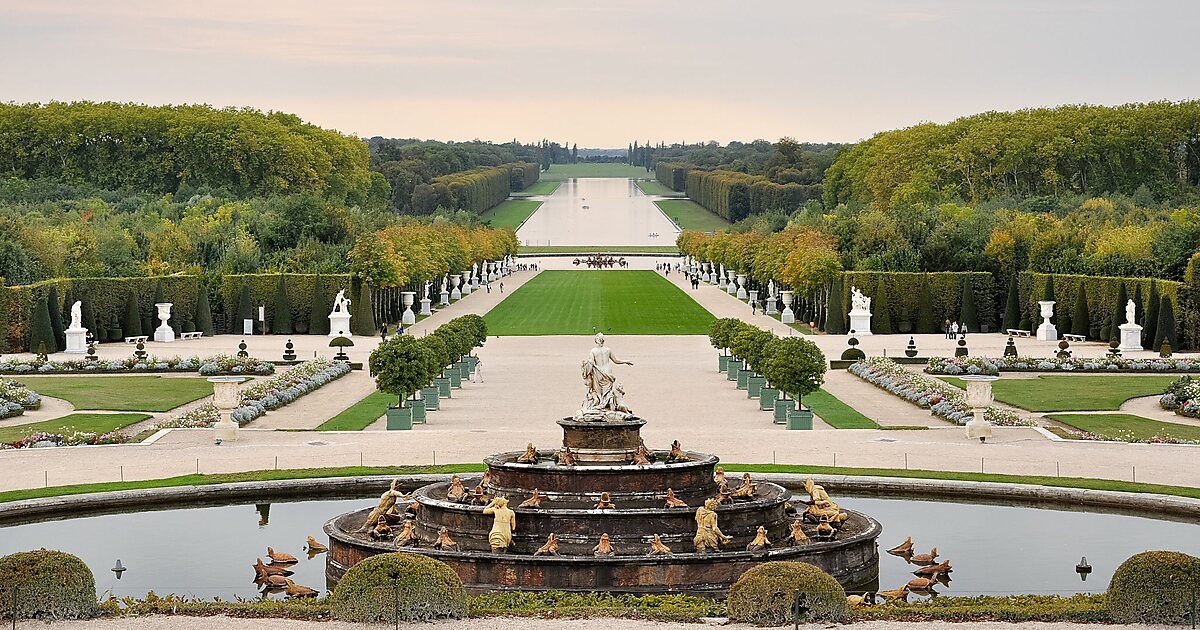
column 603, row 482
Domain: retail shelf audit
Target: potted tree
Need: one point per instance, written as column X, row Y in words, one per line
column 751, row 344
column 747, row 344
column 796, row 366
column 456, row 346
column 719, row 332
column 400, row 366
column 768, row 394
column 438, row 358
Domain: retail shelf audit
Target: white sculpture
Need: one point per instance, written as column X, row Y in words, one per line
column 605, row 398
column 164, row 333
column 427, row 285
column 339, row 317
column 444, row 295
column 76, row 333
column 407, row 317
column 1131, row 333
column 1130, row 312
column 787, row 316
column 77, row 316
column 860, row 312
column 858, row 301
column 771, row 289
column 1047, row 331
column 341, row 303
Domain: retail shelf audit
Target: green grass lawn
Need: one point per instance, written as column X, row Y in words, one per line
column 563, row 172
column 510, row 213
column 585, row 302
column 121, row 393
column 82, row 422
column 654, row 187
column 691, row 215
column 540, row 188
column 1123, row 426
column 599, row 249
column 836, row 413
column 1056, row 392
column 361, row 414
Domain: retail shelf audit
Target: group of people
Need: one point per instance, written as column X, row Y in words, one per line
column 525, row 267
column 601, row 262
column 954, row 329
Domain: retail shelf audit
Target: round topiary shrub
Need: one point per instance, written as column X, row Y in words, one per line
column 767, row 594
column 413, row 586
column 1154, row 587
column 49, row 585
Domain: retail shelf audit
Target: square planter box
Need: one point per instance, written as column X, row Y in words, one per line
column 455, row 375
column 723, row 363
column 766, row 398
column 464, row 368
column 754, row 386
column 782, row 407
column 744, row 378
column 443, row 385
column 801, row 420
column 399, row 419
column 418, row 410
column 734, row 369
column 432, row 398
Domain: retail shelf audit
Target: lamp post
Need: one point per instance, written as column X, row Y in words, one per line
column 979, row 396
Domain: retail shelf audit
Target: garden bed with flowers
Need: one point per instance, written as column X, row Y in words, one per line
column 1182, row 397
column 941, row 399
column 219, row 365
column 15, row 398
column 955, row 366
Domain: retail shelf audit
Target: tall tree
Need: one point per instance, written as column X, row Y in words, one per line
column 1081, row 321
column 131, row 324
column 969, row 312
column 56, row 320
column 362, row 322
column 1012, row 306
column 1118, row 313
column 41, row 333
column 835, row 322
column 318, row 319
column 281, row 319
column 204, row 321
column 1150, row 325
column 1165, row 330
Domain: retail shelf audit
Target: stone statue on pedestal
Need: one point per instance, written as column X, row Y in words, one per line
column 605, row 396
column 76, row 315
column 341, row 303
column 858, row 301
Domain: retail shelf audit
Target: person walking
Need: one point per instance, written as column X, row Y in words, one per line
column 477, row 373
column 502, row 286
column 383, row 332
column 753, row 307
column 954, row 330
column 489, row 287
column 946, row 328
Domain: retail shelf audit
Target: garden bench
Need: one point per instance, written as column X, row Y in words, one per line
column 1070, row 337
column 191, row 335
column 135, row 339
column 1017, row 332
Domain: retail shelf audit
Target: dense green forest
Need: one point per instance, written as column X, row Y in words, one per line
column 784, row 162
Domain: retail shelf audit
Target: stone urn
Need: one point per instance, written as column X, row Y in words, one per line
column 979, row 397
column 741, row 286
column 164, row 333
column 731, row 286
column 787, row 316
column 1046, row 331
column 455, row 279
column 408, row 318
column 226, row 398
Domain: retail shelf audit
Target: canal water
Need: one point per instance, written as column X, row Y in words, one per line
column 598, row 212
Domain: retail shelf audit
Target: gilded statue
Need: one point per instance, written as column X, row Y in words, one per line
column 407, row 536
column 566, row 457
column 723, row 493
column 719, row 475
column 825, row 531
column 457, row 492
column 605, row 503
column 708, row 535
column 658, row 547
column 381, row 531
column 534, row 501
column 673, row 501
column 605, row 399
column 505, row 522
column 677, row 454
column 746, row 490
column 760, row 542
column 550, row 548
column 603, row 548
column 639, row 459
column 820, row 505
column 387, row 504
column 479, row 497
column 444, row 541
column 797, row 535
column 530, row 456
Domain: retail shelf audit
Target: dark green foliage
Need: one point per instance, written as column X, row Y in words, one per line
column 401, row 366
column 673, row 175
column 835, row 321
column 204, row 321
column 49, row 585
column 794, row 365
column 245, row 310
column 318, row 319
column 1081, row 323
column 1048, row 291
column 749, row 344
column 362, row 320
column 766, row 594
column 926, row 321
column 733, row 196
column 970, row 314
column 56, row 318
column 131, row 324
column 1165, row 330
column 881, row 321
column 437, row 352
column 281, row 319
column 1150, row 325
column 475, row 190
column 399, row 585
column 1154, row 587
column 89, row 318
column 1012, row 306
column 1118, row 313
column 945, row 290
column 721, row 332
column 42, row 334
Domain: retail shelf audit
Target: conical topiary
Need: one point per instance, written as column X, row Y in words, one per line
column 1081, row 322
column 204, row 321
column 1118, row 313
column 927, row 322
column 89, row 317
column 56, row 321
column 1047, row 296
column 245, row 310
column 835, row 322
column 1165, row 330
column 1150, row 325
column 131, row 324
column 41, row 334
column 970, row 315
column 1012, row 306
column 318, row 319
column 362, row 321
column 881, row 319
column 281, row 319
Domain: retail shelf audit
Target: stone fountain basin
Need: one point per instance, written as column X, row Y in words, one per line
column 691, row 480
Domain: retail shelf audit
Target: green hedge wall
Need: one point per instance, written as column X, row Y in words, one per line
column 735, row 196
column 1101, row 296
column 904, row 292
column 300, row 293
column 481, row 189
column 673, row 175
column 106, row 297
column 522, row 175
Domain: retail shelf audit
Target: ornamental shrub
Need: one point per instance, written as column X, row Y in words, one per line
column 1154, row 587
column 881, row 322
column 749, row 343
column 926, row 321
column 1150, row 325
column 835, row 320
column 42, row 332
column 1081, row 322
column 794, row 365
column 400, row 366
column 318, row 321
column 969, row 313
column 1165, row 330
column 721, row 331
column 131, row 324
column 1118, row 314
column 245, row 309
column 204, row 313
column 362, row 320
column 766, row 595
column 50, row 585
column 399, row 585
column 475, row 327
column 1012, row 306
column 56, row 318
column 281, row 319
column 439, row 355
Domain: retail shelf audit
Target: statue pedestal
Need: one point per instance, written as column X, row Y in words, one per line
column 860, row 323
column 466, row 289
column 1131, row 337
column 1047, row 332
column 76, row 340
column 339, row 324
column 444, row 298
column 425, row 310
column 771, row 310
column 456, row 295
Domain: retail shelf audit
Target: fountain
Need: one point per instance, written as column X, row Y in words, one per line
column 605, row 513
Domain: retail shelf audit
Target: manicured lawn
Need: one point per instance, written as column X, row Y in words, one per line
column 599, row 249
column 121, row 393
column 1123, row 426
column 585, row 302
column 836, row 413
column 510, row 213
column 540, row 188
column 361, row 414
column 653, row 187
column 691, row 215
column 76, row 422
column 563, row 172
column 1057, row 392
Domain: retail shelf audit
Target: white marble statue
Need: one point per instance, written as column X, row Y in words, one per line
column 76, row 315
column 341, row 303
column 427, row 285
column 1130, row 312
column 858, row 301
column 605, row 396
column 771, row 289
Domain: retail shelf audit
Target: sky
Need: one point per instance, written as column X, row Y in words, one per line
column 607, row 72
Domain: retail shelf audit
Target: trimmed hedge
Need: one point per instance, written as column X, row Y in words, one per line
column 399, row 585
column 905, row 291
column 673, row 175
column 735, row 196
column 49, row 585
column 1154, row 587
column 1100, row 295
column 766, row 595
column 522, row 175
column 300, row 290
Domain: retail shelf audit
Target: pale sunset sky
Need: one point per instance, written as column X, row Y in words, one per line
column 603, row 73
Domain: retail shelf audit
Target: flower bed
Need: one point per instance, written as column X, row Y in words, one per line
column 221, row 364
column 78, row 438
column 954, row 366
column 940, row 398
column 16, row 398
column 1182, row 397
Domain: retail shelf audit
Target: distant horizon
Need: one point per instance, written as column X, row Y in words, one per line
column 603, row 76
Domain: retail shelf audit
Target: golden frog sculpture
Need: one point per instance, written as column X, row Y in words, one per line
column 821, row 506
